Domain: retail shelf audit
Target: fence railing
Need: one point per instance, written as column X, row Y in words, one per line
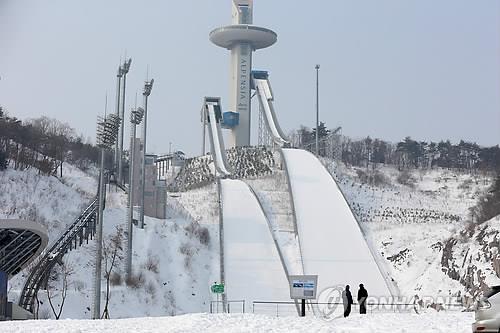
column 284, row 309
column 236, row 306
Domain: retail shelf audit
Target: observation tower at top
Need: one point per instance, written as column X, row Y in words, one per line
column 241, row 38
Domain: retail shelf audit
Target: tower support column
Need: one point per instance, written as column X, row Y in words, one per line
column 240, row 71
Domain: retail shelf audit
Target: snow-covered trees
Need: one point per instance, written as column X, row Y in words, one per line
column 406, row 154
column 43, row 143
column 57, row 287
column 112, row 253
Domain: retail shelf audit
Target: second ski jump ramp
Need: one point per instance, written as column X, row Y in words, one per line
column 331, row 242
column 252, row 266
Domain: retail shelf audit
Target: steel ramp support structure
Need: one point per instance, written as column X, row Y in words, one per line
column 261, row 84
column 213, row 116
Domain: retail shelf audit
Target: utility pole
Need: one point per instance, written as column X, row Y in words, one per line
column 118, row 92
column 317, row 110
column 148, row 86
column 135, row 119
column 125, row 69
column 107, row 131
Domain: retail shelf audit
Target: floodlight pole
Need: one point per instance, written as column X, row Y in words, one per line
column 135, row 118
column 107, row 131
column 317, row 110
column 97, row 277
column 118, row 94
column 148, row 86
column 125, row 69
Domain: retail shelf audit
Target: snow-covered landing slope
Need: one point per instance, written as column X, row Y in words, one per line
column 331, row 242
column 253, row 269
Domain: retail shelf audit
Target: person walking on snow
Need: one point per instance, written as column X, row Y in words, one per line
column 362, row 296
column 347, row 300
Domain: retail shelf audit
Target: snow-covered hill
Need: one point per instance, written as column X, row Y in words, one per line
column 50, row 201
column 472, row 257
column 416, row 220
column 407, row 216
column 174, row 260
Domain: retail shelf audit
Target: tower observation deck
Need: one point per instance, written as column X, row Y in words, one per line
column 241, row 38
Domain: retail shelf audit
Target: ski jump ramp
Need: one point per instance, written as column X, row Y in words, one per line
column 252, row 267
column 265, row 93
column 331, row 242
column 252, row 263
column 213, row 112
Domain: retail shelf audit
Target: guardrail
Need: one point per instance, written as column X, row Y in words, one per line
column 287, row 309
column 83, row 228
column 238, row 306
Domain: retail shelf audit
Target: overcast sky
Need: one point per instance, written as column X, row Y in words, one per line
column 429, row 69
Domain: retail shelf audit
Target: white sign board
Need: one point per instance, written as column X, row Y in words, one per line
column 303, row 286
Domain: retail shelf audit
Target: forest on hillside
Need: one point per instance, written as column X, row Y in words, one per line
column 47, row 143
column 42, row 143
column 406, row 154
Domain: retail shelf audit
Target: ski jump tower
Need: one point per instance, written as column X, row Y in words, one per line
column 241, row 38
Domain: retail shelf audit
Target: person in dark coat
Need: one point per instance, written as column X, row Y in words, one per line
column 347, row 300
column 362, row 296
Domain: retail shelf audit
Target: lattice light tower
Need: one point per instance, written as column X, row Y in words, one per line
column 135, row 119
column 107, row 132
column 148, row 86
column 119, row 76
column 124, row 68
column 241, row 38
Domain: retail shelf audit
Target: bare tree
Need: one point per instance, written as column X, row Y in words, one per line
column 112, row 252
column 53, row 292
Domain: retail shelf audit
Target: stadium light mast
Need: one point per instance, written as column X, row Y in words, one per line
column 119, row 76
column 148, row 86
column 107, row 131
column 125, row 70
column 317, row 109
column 135, row 119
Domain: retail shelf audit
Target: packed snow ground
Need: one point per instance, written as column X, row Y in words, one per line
column 375, row 323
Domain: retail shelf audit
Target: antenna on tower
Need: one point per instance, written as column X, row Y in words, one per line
column 106, row 104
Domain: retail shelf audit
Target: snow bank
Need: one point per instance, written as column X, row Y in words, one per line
column 408, row 323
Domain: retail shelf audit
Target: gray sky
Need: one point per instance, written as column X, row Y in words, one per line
column 389, row 68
